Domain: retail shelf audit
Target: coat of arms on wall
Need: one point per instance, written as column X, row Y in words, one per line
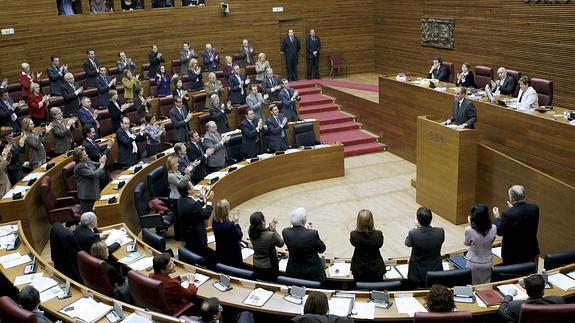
column 436, row 32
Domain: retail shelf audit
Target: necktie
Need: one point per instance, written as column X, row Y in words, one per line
column 182, row 113
column 93, row 63
column 199, row 148
column 458, row 107
column 291, row 39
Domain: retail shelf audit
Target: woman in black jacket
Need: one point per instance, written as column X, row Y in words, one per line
column 366, row 264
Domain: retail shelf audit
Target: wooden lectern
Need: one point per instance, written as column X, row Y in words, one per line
column 446, row 159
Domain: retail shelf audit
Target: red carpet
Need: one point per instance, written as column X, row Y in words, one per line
column 336, row 125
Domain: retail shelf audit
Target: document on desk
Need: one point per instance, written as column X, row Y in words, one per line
column 199, row 279
column 16, row 189
column 506, row 290
column 445, row 265
column 408, row 305
column 126, row 177
column 135, row 318
column 16, row 262
column 43, row 283
column 215, row 174
column 8, row 229
column 571, row 274
column 283, row 265
column 86, row 309
column 26, row 279
column 496, row 251
column 247, row 252
column 392, row 273
column 50, row 293
column 7, row 240
column 403, row 270
column 562, row 281
column 142, row 264
column 340, row 306
column 32, row 176
column 106, row 197
column 211, row 238
column 118, row 235
column 364, row 311
column 130, row 258
column 340, row 269
column 258, row 297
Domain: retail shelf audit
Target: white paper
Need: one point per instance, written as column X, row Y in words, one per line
column 562, row 281
column 9, row 257
column 43, row 283
column 26, row 279
column 7, row 240
column 247, row 252
column 199, row 279
column 265, row 156
column 364, row 311
column 199, row 187
column 32, row 176
column 505, row 290
column 340, row 269
column 7, row 229
column 126, row 177
column 283, row 265
column 87, row 309
column 258, row 297
column 50, row 293
column 137, row 165
column 215, row 174
column 408, row 305
column 571, row 274
column 142, row 263
column 403, row 270
column 445, row 265
column 322, row 146
column 339, row 306
column 135, row 318
column 441, row 89
column 106, row 197
column 496, row 251
column 17, row 262
column 211, row 238
column 16, row 189
column 393, row 274
column 293, row 150
column 117, row 235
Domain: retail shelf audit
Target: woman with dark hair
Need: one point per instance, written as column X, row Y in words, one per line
column 366, row 264
column 164, row 81
column 439, row 299
column 479, row 236
column 466, row 78
column 265, row 240
column 153, row 131
column 315, row 310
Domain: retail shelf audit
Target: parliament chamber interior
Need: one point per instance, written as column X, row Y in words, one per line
column 287, row 161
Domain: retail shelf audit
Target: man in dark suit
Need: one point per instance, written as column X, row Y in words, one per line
column 271, row 85
column 56, row 76
column 104, row 84
column 180, row 118
column 464, row 114
column 312, row 47
column 277, row 124
column 250, row 128
column 290, row 49
column 29, row 299
column 88, row 176
column 289, row 96
column 518, row 226
column 156, row 59
column 92, row 149
column 180, row 151
column 128, row 154
column 87, row 233
column 218, row 114
column 8, row 109
column 193, row 214
column 88, row 116
column 91, row 66
column 211, row 59
column 303, row 245
column 237, row 85
column 197, row 152
column 509, row 309
column 246, row 54
column 505, row 84
column 71, row 92
column 438, row 71
column 425, row 243
column 186, row 54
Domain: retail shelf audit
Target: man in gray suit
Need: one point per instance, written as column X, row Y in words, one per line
column 186, row 54
column 180, row 118
column 246, row 54
column 256, row 100
column 88, row 175
column 61, row 130
column 212, row 139
column 464, row 114
column 425, row 243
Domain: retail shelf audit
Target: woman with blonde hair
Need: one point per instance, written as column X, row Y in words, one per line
column 4, row 162
column 366, row 264
column 130, row 83
column 34, row 140
column 262, row 65
column 228, row 234
column 38, row 105
column 174, row 178
column 195, row 74
column 100, row 250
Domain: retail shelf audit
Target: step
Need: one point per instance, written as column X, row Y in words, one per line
column 330, row 117
column 303, row 84
column 309, row 90
column 318, row 108
column 362, row 149
column 348, row 137
column 314, row 99
column 328, row 128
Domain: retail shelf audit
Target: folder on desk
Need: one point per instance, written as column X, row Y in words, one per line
column 490, row 297
column 459, row 262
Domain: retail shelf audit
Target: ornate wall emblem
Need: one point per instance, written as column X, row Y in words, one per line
column 436, row 32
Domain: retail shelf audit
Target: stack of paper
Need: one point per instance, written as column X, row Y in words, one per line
column 135, row 318
column 13, row 260
column 496, row 251
column 7, row 240
column 393, row 274
column 264, row 156
column 142, row 264
column 26, row 279
column 408, row 305
column 364, row 311
column 119, row 235
column 7, row 229
column 258, row 297
column 215, row 174
column 50, row 293
column 571, row 274
column 403, row 270
column 43, row 283
column 211, row 238
column 130, row 258
column 247, row 252
column 340, row 269
column 506, row 289
column 32, row 176
column 293, row 150
column 126, row 177
column 16, row 189
column 86, row 309
column 340, row 306
column 562, row 281
column 283, row 265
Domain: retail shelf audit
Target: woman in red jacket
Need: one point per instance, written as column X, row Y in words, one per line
column 38, row 105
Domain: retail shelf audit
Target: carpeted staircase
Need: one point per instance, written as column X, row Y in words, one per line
column 335, row 125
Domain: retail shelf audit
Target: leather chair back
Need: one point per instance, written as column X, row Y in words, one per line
column 202, row 120
column 291, row 281
column 105, row 127
column 48, row 197
column 385, row 285
column 483, row 76
column 236, row 272
column 558, row 259
column 147, row 292
column 64, row 249
column 176, row 66
column 154, row 240
column 198, row 102
column 304, row 135
column 449, row 278
column 450, row 71
column 512, row 271
column 79, row 76
column 169, row 136
column 241, row 114
column 549, row 313
column 11, row 312
column 158, row 183
column 146, row 70
column 236, row 60
column 140, row 201
column 68, row 175
column 250, row 72
column 94, row 273
column 516, row 75
column 233, row 147
column 544, row 89
column 455, row 317
column 190, row 257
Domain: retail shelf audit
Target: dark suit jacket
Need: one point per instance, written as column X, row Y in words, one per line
column 509, row 309
column 126, row 157
column 267, row 86
column 288, row 106
column 228, row 236
column 236, row 96
column 86, row 237
column 56, row 80
column 465, row 114
column 277, row 140
column 116, row 114
column 508, row 86
column 62, row 136
column 312, row 46
column 367, row 263
column 219, row 117
column 291, row 48
column 181, row 127
column 304, row 245
column 91, row 72
column 86, row 118
column 6, row 115
column 468, row 81
column 211, row 62
column 88, row 177
column 244, row 56
column 93, row 150
column 192, row 214
column 250, row 138
column 71, row 99
column 183, row 162
column 194, row 153
column 425, row 243
column 155, row 63
column 518, row 226
column 440, row 73
column 103, row 89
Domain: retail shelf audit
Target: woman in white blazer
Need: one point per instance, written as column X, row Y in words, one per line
column 527, row 97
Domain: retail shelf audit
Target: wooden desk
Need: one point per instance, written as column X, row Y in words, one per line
column 54, row 305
